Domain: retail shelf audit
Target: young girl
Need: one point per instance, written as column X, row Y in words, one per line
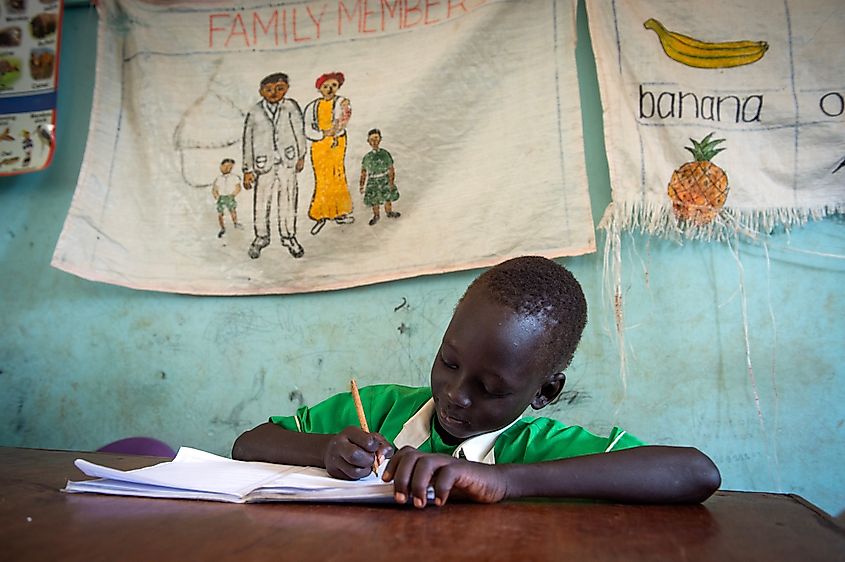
column 378, row 179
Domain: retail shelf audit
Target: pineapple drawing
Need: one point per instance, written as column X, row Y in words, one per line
column 698, row 189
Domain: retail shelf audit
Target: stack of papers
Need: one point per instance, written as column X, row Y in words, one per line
column 198, row 475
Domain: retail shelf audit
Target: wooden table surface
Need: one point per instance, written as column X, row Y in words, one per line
column 38, row 522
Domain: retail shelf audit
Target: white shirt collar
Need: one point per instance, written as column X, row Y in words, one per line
column 271, row 109
column 417, row 430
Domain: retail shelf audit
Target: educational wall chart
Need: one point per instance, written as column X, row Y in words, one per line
column 29, row 66
column 279, row 147
column 721, row 117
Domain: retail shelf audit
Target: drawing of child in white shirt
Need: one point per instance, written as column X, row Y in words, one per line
column 224, row 190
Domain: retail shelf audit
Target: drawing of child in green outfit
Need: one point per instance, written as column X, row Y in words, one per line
column 377, row 179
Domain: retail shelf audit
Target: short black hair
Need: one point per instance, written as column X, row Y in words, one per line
column 275, row 77
column 537, row 287
column 373, row 132
column 227, row 160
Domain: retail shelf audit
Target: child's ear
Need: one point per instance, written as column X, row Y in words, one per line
column 549, row 391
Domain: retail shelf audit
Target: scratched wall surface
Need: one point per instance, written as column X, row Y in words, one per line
column 82, row 364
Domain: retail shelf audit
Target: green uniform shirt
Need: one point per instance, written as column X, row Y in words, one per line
column 389, row 406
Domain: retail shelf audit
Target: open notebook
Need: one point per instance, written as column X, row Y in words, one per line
column 198, row 475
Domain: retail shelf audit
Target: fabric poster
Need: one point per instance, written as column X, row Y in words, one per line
column 281, row 147
column 721, row 117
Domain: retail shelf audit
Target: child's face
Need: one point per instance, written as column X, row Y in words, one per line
column 374, row 140
column 485, row 373
column 226, row 167
column 274, row 91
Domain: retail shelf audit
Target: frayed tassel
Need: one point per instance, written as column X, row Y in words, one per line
column 653, row 219
column 658, row 219
column 612, row 285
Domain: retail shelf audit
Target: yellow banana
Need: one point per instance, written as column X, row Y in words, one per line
column 701, row 54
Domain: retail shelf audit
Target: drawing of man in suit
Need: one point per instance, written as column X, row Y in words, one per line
column 273, row 153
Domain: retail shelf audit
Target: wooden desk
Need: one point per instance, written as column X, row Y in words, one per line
column 37, row 522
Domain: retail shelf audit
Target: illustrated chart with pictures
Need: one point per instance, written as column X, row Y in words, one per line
column 734, row 107
column 30, row 32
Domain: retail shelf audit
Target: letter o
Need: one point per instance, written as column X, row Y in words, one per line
column 835, row 96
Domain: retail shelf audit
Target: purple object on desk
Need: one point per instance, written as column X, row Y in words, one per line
column 139, row 446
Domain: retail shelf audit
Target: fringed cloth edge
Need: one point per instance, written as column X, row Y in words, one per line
column 728, row 226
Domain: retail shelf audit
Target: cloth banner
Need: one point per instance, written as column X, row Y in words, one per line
column 232, row 149
column 721, row 117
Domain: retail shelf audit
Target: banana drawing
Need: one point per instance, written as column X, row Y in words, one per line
column 701, row 54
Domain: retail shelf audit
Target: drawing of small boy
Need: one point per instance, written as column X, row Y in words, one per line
column 224, row 190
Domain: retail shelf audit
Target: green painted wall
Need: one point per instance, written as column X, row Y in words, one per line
column 82, row 364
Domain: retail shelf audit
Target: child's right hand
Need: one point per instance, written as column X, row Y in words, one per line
column 350, row 454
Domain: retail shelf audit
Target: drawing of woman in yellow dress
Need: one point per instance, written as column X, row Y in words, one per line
column 325, row 125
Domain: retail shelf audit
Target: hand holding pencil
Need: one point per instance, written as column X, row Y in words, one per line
column 362, row 419
column 355, row 452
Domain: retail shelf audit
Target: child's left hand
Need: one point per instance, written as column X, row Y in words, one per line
column 413, row 472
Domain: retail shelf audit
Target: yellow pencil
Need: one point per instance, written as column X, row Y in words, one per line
column 362, row 419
